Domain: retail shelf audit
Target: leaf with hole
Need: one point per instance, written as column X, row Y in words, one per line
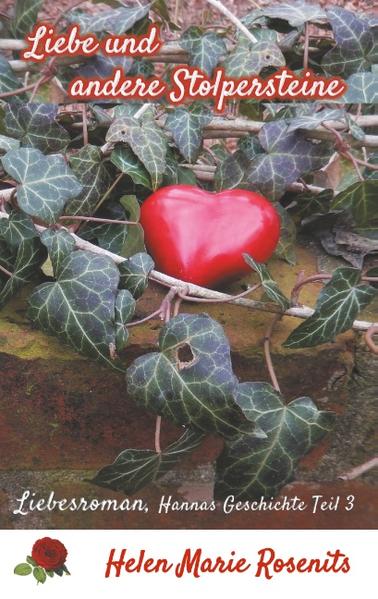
column 337, row 306
column 80, row 307
column 190, row 381
column 249, row 59
column 147, row 141
column 250, row 467
column 45, row 183
column 133, row 469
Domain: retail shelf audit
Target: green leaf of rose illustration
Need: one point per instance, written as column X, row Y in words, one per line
column 205, row 49
column 186, row 125
column 39, row 574
column 45, row 183
column 23, row 569
column 270, row 286
column 134, row 273
column 147, row 141
column 190, row 381
column 21, row 254
column 287, row 156
column 355, row 44
column 250, row 467
column 337, row 306
column 92, row 172
column 83, row 306
column 133, row 469
column 35, row 125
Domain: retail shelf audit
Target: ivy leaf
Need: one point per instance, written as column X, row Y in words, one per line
column 39, row 574
column 124, row 311
column 127, row 162
column 362, row 89
column 23, row 569
column 26, row 15
column 354, row 44
column 35, row 125
column 133, row 469
column 21, row 254
column 59, row 245
column 338, row 304
column 103, row 66
column 45, row 182
column 110, row 236
column 288, row 234
column 296, row 13
column 247, row 58
column 93, row 174
column 361, row 199
column 288, row 156
column 135, row 237
column 116, row 21
column 230, row 172
column 190, row 381
column 134, row 273
column 147, row 141
column 80, row 306
column 313, row 120
column 8, row 143
column 186, row 126
column 205, row 49
column 251, row 467
column 270, row 286
column 8, row 80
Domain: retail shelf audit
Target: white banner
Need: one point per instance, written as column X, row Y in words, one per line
column 189, row 563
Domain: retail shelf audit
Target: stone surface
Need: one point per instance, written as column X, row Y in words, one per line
column 63, row 416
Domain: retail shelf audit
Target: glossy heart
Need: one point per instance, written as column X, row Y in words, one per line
column 200, row 237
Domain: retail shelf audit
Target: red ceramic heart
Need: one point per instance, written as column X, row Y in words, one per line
column 200, row 237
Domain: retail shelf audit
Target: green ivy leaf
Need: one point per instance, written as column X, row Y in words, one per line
column 251, row 467
column 354, row 43
column 296, row 13
column 112, row 237
column 8, row 143
column 21, row 254
column 127, row 162
column 361, row 199
column 116, row 21
column 39, row 574
column 247, row 58
column 133, row 469
column 288, row 233
column 287, row 157
column 80, row 306
column 362, row 89
column 135, row 237
column 35, row 125
column 124, row 311
column 205, row 49
column 186, row 126
column 23, row 569
column 8, row 80
column 313, row 120
column 26, row 15
column 59, row 245
column 190, row 381
column 147, row 141
column 134, row 273
column 93, row 174
column 230, row 173
column 270, row 286
column 45, row 182
column 338, row 304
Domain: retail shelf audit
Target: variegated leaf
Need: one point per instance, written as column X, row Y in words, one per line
column 205, row 49
column 93, row 173
column 270, row 286
column 134, row 273
column 186, row 126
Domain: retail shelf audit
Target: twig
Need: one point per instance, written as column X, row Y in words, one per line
column 26, row 88
column 143, row 320
column 85, row 125
column 373, row 330
column 199, row 300
column 227, row 13
column 306, row 45
column 108, row 221
column 268, row 357
column 109, row 191
column 157, row 434
column 358, row 470
column 302, row 312
column 5, row 271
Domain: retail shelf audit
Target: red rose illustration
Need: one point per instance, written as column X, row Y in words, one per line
column 49, row 553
